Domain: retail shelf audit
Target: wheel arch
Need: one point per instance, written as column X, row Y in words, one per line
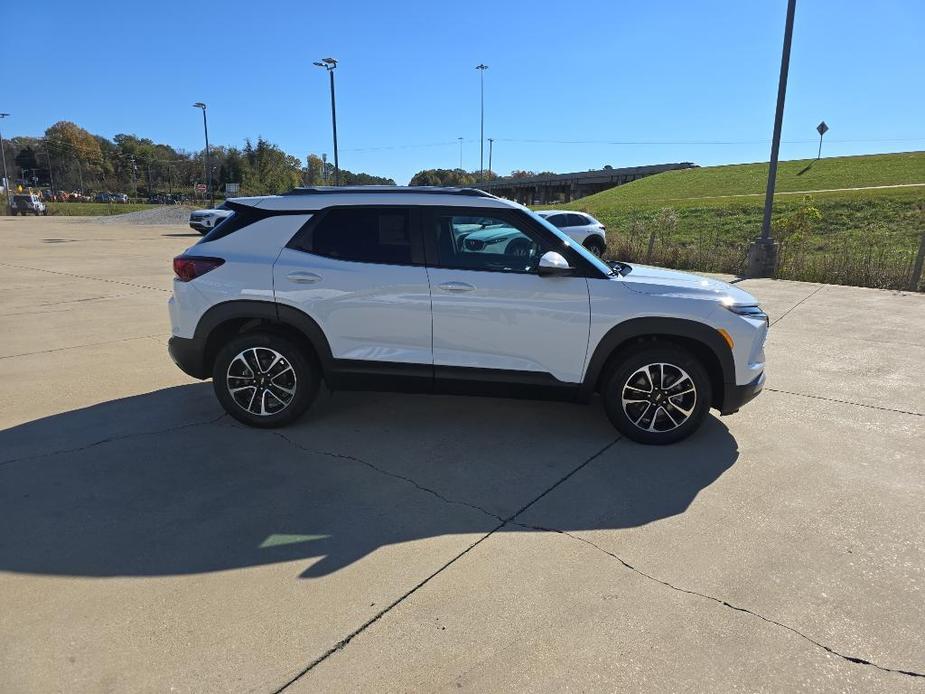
column 700, row 339
column 227, row 319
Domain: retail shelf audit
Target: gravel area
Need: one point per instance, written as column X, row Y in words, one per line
column 169, row 214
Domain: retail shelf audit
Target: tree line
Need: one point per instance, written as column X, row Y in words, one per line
column 70, row 158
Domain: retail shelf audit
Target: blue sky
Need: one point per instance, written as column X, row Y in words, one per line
column 632, row 72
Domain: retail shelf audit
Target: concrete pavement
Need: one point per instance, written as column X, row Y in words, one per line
column 395, row 542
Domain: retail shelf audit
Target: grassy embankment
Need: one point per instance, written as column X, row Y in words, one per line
column 702, row 219
column 94, row 209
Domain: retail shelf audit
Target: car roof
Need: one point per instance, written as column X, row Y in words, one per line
column 546, row 213
column 320, row 197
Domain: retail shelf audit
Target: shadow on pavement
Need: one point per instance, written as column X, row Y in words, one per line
column 162, row 484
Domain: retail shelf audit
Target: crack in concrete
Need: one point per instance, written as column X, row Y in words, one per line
column 110, row 439
column 805, row 298
column 91, row 344
column 388, row 473
column 340, row 645
column 845, row 402
column 83, row 277
column 725, row 603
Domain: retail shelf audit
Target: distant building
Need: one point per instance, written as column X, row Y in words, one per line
column 566, row 187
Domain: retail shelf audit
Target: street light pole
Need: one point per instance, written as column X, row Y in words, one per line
column 762, row 253
column 206, row 169
column 481, row 67
column 6, row 177
column 330, row 64
column 491, row 146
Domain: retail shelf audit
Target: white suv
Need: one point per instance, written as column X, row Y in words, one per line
column 581, row 226
column 451, row 290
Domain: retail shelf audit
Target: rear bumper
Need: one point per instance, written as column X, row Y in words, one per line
column 189, row 355
column 735, row 396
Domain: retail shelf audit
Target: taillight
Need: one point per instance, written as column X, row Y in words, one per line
column 189, row 267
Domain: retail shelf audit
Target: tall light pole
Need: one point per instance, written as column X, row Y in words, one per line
column 762, row 253
column 206, row 169
column 491, row 146
column 481, row 67
column 6, row 178
column 330, row 64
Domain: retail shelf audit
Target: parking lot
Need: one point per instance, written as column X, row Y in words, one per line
column 403, row 543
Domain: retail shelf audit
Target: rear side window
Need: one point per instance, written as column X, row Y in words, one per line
column 240, row 218
column 364, row 236
column 577, row 220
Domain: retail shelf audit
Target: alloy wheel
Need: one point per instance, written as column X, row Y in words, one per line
column 261, row 381
column 659, row 397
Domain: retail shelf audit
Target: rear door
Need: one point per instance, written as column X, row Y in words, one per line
column 359, row 273
column 491, row 310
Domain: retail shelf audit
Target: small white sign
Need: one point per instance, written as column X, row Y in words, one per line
column 232, row 188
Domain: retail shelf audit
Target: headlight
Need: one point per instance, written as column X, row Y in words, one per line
column 749, row 312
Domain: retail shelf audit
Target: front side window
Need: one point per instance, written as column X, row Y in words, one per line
column 483, row 243
column 364, row 235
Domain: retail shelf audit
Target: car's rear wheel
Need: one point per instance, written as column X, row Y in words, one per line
column 596, row 246
column 264, row 380
column 657, row 394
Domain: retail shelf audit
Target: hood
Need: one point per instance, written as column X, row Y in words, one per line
column 646, row 279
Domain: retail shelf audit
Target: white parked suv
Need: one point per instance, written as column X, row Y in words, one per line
column 581, row 226
column 204, row 221
column 451, row 290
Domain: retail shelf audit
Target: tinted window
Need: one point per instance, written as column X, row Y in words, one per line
column 558, row 220
column 364, row 235
column 577, row 220
column 484, row 243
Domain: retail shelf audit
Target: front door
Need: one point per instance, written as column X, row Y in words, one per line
column 491, row 310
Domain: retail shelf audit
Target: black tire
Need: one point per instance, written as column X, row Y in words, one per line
column 669, row 400
column 595, row 245
column 295, row 370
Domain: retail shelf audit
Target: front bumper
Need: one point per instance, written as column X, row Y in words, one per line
column 189, row 355
column 734, row 396
column 199, row 226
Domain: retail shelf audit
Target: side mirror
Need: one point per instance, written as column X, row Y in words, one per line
column 552, row 264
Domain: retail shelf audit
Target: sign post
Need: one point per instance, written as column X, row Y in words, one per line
column 822, row 129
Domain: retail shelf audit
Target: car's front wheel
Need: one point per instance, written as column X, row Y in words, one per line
column 657, row 394
column 264, row 380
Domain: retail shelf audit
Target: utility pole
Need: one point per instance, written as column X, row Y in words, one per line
column 330, row 64
column 134, row 185
column 491, row 143
column 324, row 168
column 80, row 174
column 6, row 177
column 51, row 176
column 762, row 253
column 206, row 169
column 481, row 67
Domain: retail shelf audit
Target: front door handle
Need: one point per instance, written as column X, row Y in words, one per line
column 456, row 287
column 303, row 277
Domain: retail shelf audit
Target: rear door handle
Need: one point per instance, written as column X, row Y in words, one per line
column 303, row 277
column 456, row 287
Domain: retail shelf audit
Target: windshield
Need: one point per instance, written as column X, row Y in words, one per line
column 568, row 241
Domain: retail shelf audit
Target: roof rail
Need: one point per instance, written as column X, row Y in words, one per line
column 426, row 190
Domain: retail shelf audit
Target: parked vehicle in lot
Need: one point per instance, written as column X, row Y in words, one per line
column 103, row 197
column 121, row 198
column 204, row 221
column 28, row 203
column 581, row 226
column 381, row 288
